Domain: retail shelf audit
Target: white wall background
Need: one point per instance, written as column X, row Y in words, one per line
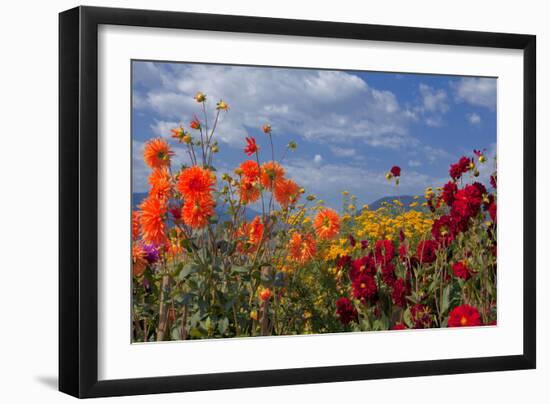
column 28, row 199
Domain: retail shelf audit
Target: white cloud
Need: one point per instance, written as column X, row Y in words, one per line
column 434, row 153
column 324, row 106
column 473, row 118
column 415, row 163
column 434, row 121
column 433, row 106
column 367, row 185
column 318, row 159
column 433, row 100
column 162, row 128
column 476, row 91
column 342, row 151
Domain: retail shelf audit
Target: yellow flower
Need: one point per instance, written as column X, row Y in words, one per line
column 200, row 97
column 254, row 315
column 222, row 106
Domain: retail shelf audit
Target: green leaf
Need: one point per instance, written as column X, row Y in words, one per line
column 407, row 318
column 239, row 269
column 187, row 270
column 223, row 324
column 446, row 300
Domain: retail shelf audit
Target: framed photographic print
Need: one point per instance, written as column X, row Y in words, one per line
column 251, row 201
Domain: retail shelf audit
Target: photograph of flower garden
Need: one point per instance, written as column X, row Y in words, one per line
column 274, row 201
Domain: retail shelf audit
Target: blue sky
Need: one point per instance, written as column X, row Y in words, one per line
column 350, row 126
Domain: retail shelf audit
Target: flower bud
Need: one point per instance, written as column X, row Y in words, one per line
column 200, row 97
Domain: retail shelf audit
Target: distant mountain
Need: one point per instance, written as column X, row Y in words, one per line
column 406, row 200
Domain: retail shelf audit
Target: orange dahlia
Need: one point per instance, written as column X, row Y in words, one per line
column 161, row 183
column 138, row 260
column 264, row 294
column 287, row 192
column 152, row 220
column 327, row 224
column 250, row 170
column 135, row 225
column 196, row 212
column 272, row 174
column 195, row 182
column 302, row 247
column 248, row 191
column 252, row 233
column 157, row 153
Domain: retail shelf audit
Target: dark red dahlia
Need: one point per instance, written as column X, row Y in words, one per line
column 449, row 191
column 481, row 190
column 343, row 262
column 364, row 244
column 464, row 316
column 383, row 251
column 352, row 241
column 364, row 287
column 456, row 170
column 388, row 274
column 442, row 229
column 395, row 171
column 426, row 251
column 363, row 265
column 467, row 201
column 493, row 211
column 399, row 292
column 461, row 270
column 346, row 310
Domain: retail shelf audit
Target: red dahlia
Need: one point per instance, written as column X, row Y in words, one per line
column 346, row 310
column 396, row 171
column 399, row 326
column 363, row 265
column 456, row 170
column 364, row 287
column 383, row 251
column 426, row 251
column 343, row 262
column 464, row 316
column 461, row 270
column 493, row 211
column 251, row 146
column 399, row 292
column 449, row 191
column 388, row 274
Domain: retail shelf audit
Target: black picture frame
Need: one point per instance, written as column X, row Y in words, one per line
column 78, row 201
